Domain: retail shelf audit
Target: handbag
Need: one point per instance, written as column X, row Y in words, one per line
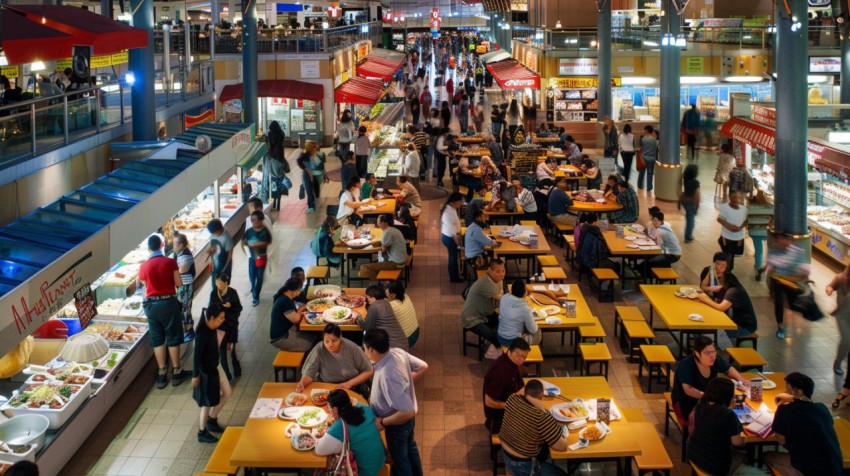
column 640, row 164
column 260, row 261
column 342, row 464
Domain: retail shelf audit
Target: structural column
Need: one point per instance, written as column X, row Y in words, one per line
column 249, row 61
column 791, row 126
column 142, row 66
column 668, row 170
column 603, row 43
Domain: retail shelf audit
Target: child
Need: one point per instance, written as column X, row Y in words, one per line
column 367, row 190
column 210, row 390
column 226, row 298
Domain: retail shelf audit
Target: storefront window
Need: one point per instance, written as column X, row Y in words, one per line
column 294, row 115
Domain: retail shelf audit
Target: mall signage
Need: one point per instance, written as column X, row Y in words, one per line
column 523, row 83
column 578, row 67
column 764, row 115
column 825, row 64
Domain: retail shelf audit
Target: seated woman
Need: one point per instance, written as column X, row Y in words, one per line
column 283, row 329
column 488, row 169
column 504, row 196
column 405, row 223
column 364, row 439
column 712, row 278
column 404, row 311
column 716, row 430
column 695, row 372
column 591, row 173
column 736, row 299
column 337, row 360
column 349, row 202
column 323, row 243
column 515, row 318
column 611, row 189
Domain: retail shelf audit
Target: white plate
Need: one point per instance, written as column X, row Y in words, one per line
column 601, row 429
column 289, row 413
column 768, row 384
column 632, row 246
column 320, row 417
column 537, row 315
column 330, row 315
column 577, row 403
column 293, row 397
column 298, row 438
column 577, row 424
column 330, row 291
column 359, row 242
column 551, row 310
column 630, row 237
column 526, row 243
column 696, row 317
column 554, row 320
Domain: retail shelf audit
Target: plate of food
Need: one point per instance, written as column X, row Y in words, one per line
column 637, row 228
column 314, row 318
column 295, row 399
column 328, row 291
column 524, row 242
column 632, row 246
column 319, row 396
column 554, row 320
column 310, row 417
column 551, row 310
column 320, row 305
column 290, row 413
column 292, row 429
column 303, row 442
column 630, row 238
column 696, row 317
column 351, row 301
column 320, row 430
column 686, row 292
column 337, row 315
column 593, row 433
column 569, row 412
column 358, row 243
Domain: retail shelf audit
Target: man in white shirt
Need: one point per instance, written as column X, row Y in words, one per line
column 733, row 221
column 410, row 165
column 526, row 200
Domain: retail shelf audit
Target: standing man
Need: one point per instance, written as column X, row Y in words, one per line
column 394, row 399
column 221, row 249
column 411, row 164
column 362, row 148
column 690, row 125
column 503, row 379
column 421, row 141
column 186, row 292
column 425, row 101
column 560, row 202
column 161, row 277
column 393, row 249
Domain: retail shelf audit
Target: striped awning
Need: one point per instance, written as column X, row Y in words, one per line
column 253, row 155
column 511, row 74
column 378, row 68
column 359, row 91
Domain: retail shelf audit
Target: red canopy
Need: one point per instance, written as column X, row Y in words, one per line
column 277, row 88
column 511, row 74
column 105, row 35
column 750, row 132
column 26, row 41
column 379, row 68
column 359, row 91
column 826, row 157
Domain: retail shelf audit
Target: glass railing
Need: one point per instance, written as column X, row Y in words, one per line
column 35, row 126
column 280, row 40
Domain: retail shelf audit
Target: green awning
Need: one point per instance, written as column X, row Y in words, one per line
column 254, row 154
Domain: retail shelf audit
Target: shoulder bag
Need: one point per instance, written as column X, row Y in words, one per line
column 342, row 464
column 640, row 164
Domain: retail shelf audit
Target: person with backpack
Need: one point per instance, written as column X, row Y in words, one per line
column 278, row 166
column 592, row 251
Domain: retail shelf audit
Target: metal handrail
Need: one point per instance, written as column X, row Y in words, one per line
column 282, row 40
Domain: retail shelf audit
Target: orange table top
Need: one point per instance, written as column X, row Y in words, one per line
column 510, row 248
column 353, row 327
column 674, row 311
column 605, row 207
column 620, row 246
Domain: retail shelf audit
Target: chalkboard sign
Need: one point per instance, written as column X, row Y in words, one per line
column 85, row 304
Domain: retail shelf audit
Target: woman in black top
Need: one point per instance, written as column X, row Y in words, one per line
column 734, row 297
column 716, row 430
column 210, row 391
column 227, row 298
column 689, row 199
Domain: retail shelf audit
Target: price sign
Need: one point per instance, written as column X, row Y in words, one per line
column 84, row 302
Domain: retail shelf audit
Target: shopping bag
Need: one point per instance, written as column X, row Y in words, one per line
column 640, row 164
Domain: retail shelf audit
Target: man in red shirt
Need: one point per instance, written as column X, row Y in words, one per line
column 161, row 277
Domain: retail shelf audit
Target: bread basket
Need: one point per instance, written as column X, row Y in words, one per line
column 84, row 347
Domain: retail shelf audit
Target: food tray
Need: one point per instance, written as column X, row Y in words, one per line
column 57, row 417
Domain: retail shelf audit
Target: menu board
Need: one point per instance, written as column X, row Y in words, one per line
column 297, row 117
column 85, row 304
column 573, row 104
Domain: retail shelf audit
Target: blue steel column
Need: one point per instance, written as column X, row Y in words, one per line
column 668, row 169
column 142, row 67
column 791, row 127
column 845, row 69
column 604, row 59
column 249, row 61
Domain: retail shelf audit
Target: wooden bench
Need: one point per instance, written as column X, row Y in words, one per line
column 747, row 358
column 602, row 276
column 670, row 415
column 753, row 339
column 592, row 333
column 527, row 223
column 636, row 332
column 570, row 254
column 546, row 261
column 657, row 359
column 665, row 275
column 318, row 274
column 479, row 344
column 625, row 313
column 595, row 353
column 535, row 357
column 554, row 274
column 653, row 457
column 389, row 274
column 286, row 361
column 495, row 446
column 219, row 462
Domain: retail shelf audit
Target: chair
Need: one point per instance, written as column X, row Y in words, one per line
column 670, row 415
column 602, row 276
column 495, row 446
column 596, row 353
column 655, row 357
column 389, row 275
column 479, row 345
column 747, row 358
column 753, row 339
column 286, row 361
column 665, row 275
column 318, row 274
column 527, row 222
column 219, row 462
column 546, row 261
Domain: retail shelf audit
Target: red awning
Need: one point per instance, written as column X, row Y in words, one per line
column 750, row 132
column 359, row 91
column 379, row 68
column 511, row 74
column 105, row 35
column 26, row 41
column 829, row 158
column 277, row 88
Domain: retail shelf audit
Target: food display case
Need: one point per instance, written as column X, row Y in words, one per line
column 73, row 264
column 385, row 163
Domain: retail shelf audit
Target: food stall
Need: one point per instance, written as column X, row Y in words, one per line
column 69, row 268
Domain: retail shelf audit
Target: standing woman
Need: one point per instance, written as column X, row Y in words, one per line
column 649, row 150
column 362, row 149
column 209, row 389
column 609, row 130
column 345, row 134
column 840, row 286
column 725, row 164
column 450, row 232
column 626, row 142
column 312, row 165
column 529, row 113
column 514, row 117
column 689, row 198
column 227, row 299
column 258, row 238
column 278, row 167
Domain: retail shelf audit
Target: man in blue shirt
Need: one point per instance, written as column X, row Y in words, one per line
column 475, row 239
column 560, row 202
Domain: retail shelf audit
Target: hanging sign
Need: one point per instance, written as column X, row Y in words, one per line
column 120, row 58
column 84, row 302
column 334, row 11
column 694, row 65
column 310, row 69
column 101, row 61
column 581, row 83
column 10, row 72
column 578, row 66
column 435, row 22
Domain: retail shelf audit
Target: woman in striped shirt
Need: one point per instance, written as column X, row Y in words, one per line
column 404, row 311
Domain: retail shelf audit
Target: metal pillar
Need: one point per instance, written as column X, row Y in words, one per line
column 845, row 71
column 142, row 66
column 603, row 42
column 166, row 58
column 249, row 61
column 791, row 127
column 668, row 169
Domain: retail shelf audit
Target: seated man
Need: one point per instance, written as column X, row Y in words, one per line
column 545, row 172
column 515, row 317
column 475, row 240
column 393, row 249
column 805, row 428
column 592, row 252
column 671, row 250
column 479, row 310
column 560, row 202
column 503, row 379
column 629, row 200
column 528, row 431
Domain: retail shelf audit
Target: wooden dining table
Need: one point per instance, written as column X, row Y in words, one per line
column 503, row 214
column 603, row 208
column 624, row 249
column 388, row 206
column 350, row 255
column 568, row 325
column 514, row 250
column 624, row 441
column 305, row 326
column 674, row 311
column 263, row 444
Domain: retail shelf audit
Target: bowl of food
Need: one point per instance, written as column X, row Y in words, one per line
column 569, row 412
column 84, row 347
column 592, row 433
column 295, row 399
column 303, row 442
column 320, row 305
column 337, row 315
column 311, row 417
column 319, row 397
column 24, row 430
